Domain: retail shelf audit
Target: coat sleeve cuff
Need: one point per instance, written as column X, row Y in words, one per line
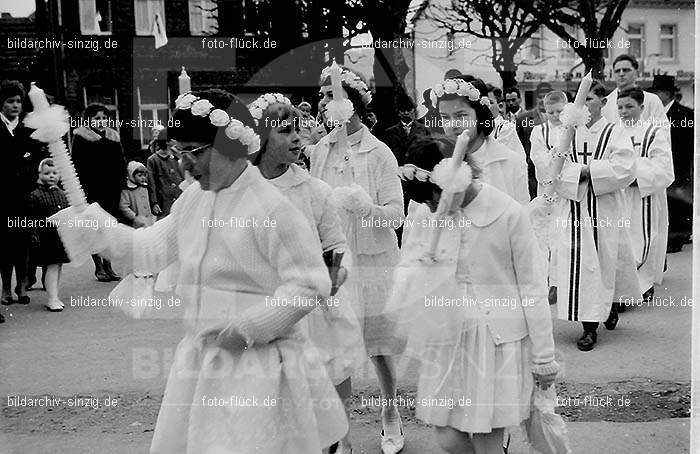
column 546, row 369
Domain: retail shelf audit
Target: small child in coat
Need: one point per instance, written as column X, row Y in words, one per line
column 134, row 202
column 165, row 177
column 46, row 247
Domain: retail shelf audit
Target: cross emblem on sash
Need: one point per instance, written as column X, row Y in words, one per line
column 635, row 145
column 585, row 153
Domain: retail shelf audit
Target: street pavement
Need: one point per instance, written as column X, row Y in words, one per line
column 102, row 352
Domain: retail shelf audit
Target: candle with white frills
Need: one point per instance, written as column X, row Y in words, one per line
column 573, row 115
column 51, row 124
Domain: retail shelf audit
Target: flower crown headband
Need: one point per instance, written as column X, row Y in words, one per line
column 352, row 80
column 257, row 107
column 235, row 129
column 458, row 87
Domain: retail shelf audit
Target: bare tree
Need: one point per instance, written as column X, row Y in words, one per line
column 597, row 19
column 386, row 21
column 507, row 24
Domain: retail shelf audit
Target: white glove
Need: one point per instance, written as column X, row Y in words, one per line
column 353, row 199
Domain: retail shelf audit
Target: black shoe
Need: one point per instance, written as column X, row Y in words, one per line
column 587, row 341
column 113, row 276
column 673, row 248
column 612, row 320
column 648, row 295
column 621, row 308
column 24, row 299
column 2, row 318
column 333, row 448
column 552, row 297
column 8, row 301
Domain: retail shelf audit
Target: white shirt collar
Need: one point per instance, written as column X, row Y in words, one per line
column 668, row 106
column 10, row 124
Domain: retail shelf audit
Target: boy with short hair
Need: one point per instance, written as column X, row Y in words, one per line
column 545, row 136
column 589, row 239
column 646, row 196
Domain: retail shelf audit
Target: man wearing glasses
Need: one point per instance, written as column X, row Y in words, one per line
column 625, row 72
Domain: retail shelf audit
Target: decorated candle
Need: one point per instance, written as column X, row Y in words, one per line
column 336, row 81
column 583, row 89
column 38, row 98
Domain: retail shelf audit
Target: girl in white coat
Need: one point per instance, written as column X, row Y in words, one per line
column 333, row 329
column 244, row 377
column 501, row 167
column 481, row 311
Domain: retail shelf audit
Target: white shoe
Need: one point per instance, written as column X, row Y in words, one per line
column 54, row 305
column 392, row 444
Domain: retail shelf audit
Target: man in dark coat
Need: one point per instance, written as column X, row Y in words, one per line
column 21, row 156
column 525, row 122
column 399, row 136
column 680, row 193
column 99, row 161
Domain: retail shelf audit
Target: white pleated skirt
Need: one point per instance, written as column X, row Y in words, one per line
column 475, row 386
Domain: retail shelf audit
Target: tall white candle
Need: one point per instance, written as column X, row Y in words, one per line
column 184, row 82
column 38, row 98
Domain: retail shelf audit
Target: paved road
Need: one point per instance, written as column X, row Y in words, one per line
column 100, row 351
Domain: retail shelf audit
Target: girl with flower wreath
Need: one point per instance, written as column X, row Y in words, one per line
column 463, row 102
column 476, row 311
column 244, row 378
column 363, row 173
column 333, row 329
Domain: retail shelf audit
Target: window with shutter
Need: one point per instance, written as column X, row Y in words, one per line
column 95, row 17
column 144, row 15
column 204, row 17
column 88, row 14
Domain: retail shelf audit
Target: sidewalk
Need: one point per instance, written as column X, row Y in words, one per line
column 668, row 436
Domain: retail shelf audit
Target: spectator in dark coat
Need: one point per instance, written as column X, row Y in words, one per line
column 399, row 136
column 680, row 193
column 21, row 156
column 164, row 178
column 431, row 119
column 99, row 161
column 525, row 122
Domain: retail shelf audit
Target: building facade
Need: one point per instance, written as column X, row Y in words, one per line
column 85, row 51
column 660, row 34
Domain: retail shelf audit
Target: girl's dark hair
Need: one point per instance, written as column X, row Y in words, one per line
column 426, row 153
column 635, row 93
column 10, row 89
column 353, row 95
column 93, row 109
column 484, row 117
column 274, row 116
column 193, row 128
column 160, row 144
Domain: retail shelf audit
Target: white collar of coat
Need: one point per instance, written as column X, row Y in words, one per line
column 244, row 180
column 367, row 143
column 293, row 176
column 491, row 151
column 11, row 124
column 488, row 205
column 598, row 125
